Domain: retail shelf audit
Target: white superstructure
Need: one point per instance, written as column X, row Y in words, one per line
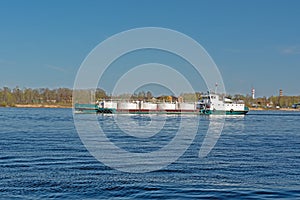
column 213, row 102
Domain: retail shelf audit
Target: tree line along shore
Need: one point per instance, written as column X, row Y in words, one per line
column 62, row 98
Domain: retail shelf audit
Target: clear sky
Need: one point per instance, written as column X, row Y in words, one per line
column 254, row 43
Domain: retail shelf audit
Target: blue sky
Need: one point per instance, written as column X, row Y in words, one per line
column 254, row 43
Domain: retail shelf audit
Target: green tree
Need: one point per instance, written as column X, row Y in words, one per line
column 100, row 94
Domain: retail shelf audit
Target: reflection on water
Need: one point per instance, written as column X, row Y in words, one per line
column 141, row 126
column 213, row 134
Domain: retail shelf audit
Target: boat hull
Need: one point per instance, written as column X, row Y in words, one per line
column 240, row 112
column 225, row 112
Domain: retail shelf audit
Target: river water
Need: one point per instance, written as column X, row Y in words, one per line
column 42, row 156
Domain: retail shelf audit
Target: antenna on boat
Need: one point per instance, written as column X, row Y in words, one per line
column 216, row 86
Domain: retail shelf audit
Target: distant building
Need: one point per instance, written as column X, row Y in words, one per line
column 280, row 93
column 180, row 99
column 253, row 93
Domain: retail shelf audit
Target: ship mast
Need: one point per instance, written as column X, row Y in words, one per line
column 216, row 87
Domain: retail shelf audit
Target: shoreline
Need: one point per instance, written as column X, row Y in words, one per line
column 275, row 109
column 39, row 106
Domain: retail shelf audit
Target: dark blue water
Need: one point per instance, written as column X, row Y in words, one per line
column 42, row 156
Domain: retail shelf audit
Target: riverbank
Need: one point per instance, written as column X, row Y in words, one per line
column 41, row 106
column 274, row 109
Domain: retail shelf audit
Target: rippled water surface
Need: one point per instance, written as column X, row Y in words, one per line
column 42, row 156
